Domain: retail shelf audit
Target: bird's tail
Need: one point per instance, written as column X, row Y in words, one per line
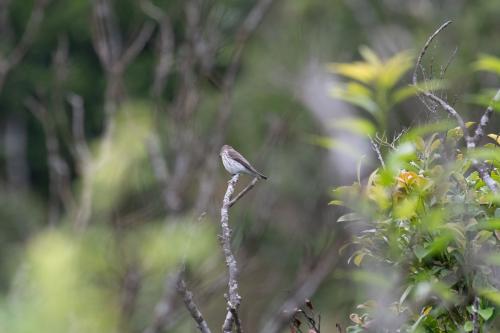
column 261, row 176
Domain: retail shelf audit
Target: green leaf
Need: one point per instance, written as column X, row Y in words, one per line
column 362, row 101
column 488, row 63
column 491, row 224
column 349, row 217
column 355, row 125
column 485, row 99
column 322, row 141
column 359, row 71
column 468, row 326
column 420, row 252
column 486, row 313
column 358, row 259
column 369, row 55
column 405, row 294
column 394, row 69
column 491, row 294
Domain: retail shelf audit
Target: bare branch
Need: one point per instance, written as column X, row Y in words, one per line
column 245, row 31
column 82, row 150
column 106, row 36
column 59, row 183
column 150, row 9
column 20, row 50
column 244, row 191
column 450, row 110
column 136, row 46
column 470, row 141
column 161, row 172
column 424, row 50
column 192, row 307
column 478, row 135
column 483, row 171
column 429, row 94
column 165, row 55
column 83, row 157
column 444, row 68
column 376, row 148
column 233, row 298
column 303, row 289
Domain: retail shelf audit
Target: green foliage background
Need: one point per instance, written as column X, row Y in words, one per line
column 431, row 215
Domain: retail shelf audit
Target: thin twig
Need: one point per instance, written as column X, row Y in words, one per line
column 233, row 298
column 429, row 94
column 20, row 50
column 482, row 169
column 244, row 191
column 136, row 46
column 59, row 183
column 451, row 111
column 478, row 135
column 448, row 63
column 470, row 141
column 376, row 148
column 82, row 151
column 83, row 159
column 165, row 55
column 303, row 289
column 424, row 49
column 187, row 296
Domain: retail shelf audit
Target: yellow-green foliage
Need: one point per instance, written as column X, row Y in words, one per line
column 120, row 165
column 426, row 216
column 71, row 283
column 488, row 63
column 52, row 291
column 373, row 83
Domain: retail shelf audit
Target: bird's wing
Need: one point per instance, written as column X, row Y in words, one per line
column 240, row 159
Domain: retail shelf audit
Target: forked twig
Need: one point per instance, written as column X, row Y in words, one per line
column 244, row 191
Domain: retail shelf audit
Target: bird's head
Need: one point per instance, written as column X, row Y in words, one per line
column 224, row 148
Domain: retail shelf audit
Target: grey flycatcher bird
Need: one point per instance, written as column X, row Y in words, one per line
column 235, row 163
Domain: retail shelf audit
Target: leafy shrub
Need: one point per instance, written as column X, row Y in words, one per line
column 429, row 217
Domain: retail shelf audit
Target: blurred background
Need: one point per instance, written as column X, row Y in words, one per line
column 112, row 117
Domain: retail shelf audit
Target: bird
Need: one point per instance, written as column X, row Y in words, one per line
column 235, row 163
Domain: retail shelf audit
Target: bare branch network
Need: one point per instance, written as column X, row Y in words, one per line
column 471, row 140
